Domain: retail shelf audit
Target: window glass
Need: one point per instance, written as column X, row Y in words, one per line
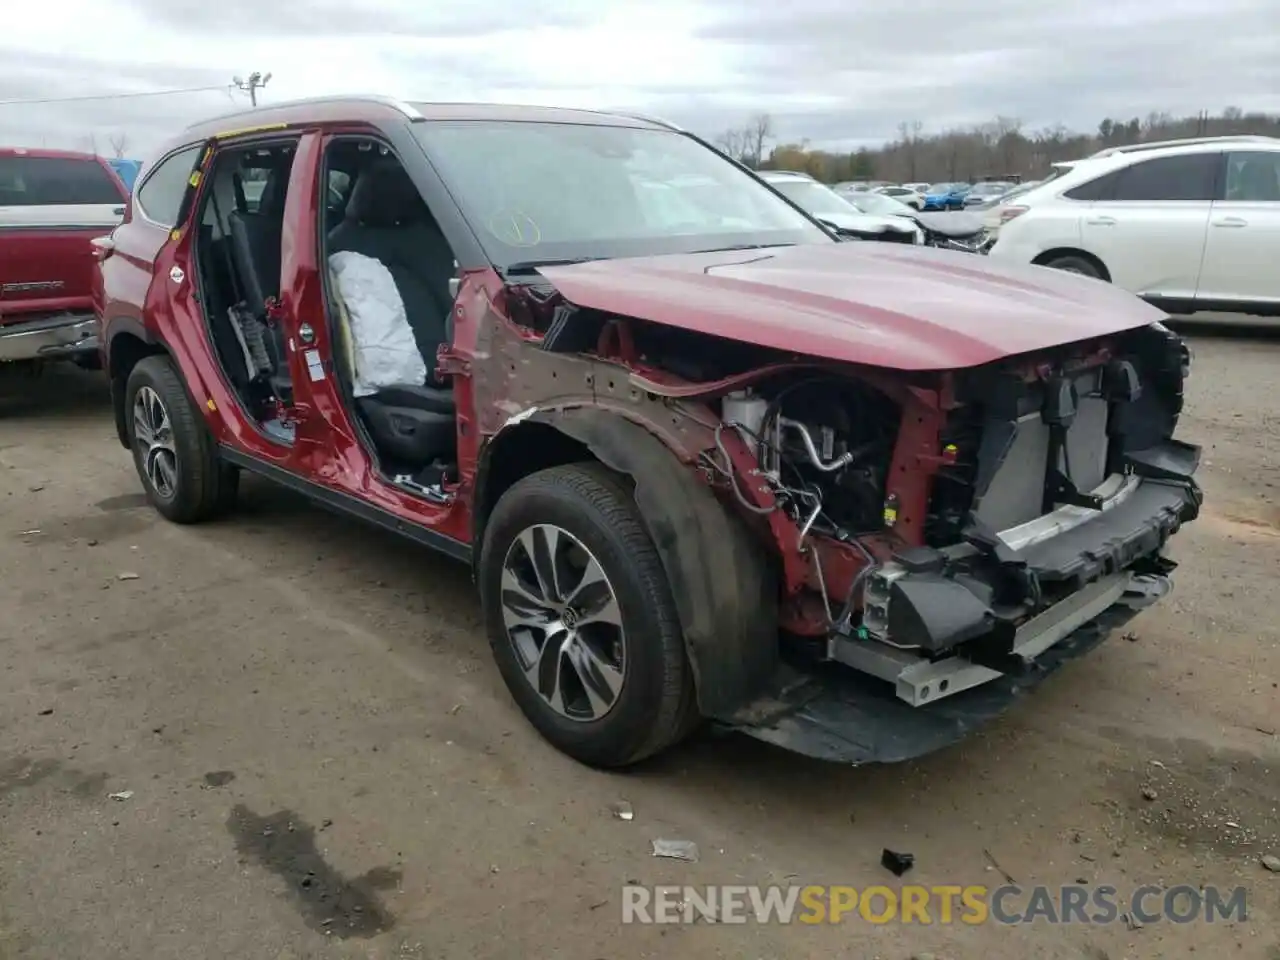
column 536, row 191
column 1188, row 177
column 880, row 205
column 816, row 198
column 160, row 195
column 263, row 178
column 1253, row 176
column 55, row 181
column 1099, row 188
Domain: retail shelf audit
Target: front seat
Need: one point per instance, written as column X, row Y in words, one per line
column 412, row 425
column 1258, row 181
column 387, row 220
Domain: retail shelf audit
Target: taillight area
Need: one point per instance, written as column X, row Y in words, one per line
column 103, row 247
column 1009, row 213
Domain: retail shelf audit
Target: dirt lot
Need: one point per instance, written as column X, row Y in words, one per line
column 323, row 762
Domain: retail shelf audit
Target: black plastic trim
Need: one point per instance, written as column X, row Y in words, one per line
column 347, row 504
column 836, row 714
column 1118, row 537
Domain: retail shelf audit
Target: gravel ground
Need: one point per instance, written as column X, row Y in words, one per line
column 321, row 761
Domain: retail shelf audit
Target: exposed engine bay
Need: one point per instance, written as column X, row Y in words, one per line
column 934, row 531
column 1047, row 492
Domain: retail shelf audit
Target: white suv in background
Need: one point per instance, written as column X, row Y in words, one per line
column 1185, row 224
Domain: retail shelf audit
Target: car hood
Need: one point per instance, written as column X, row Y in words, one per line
column 865, row 222
column 958, row 224
column 881, row 304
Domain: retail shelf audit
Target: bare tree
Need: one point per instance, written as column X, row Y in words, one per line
column 732, row 142
column 757, row 135
column 93, row 144
column 119, row 142
column 909, row 132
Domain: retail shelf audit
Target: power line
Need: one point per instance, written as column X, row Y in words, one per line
column 223, row 88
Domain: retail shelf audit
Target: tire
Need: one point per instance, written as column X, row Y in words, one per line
column 654, row 705
column 1080, row 265
column 180, row 470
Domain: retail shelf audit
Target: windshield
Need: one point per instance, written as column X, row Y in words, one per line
column 535, row 192
column 941, row 188
column 819, row 199
column 878, row 203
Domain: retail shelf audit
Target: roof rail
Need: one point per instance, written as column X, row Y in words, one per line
column 405, row 108
column 1186, row 142
column 630, row 115
column 650, row 119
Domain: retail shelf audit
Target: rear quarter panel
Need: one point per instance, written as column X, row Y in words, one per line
column 47, row 259
column 125, row 276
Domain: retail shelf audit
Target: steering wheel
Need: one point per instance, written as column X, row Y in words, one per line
column 514, row 227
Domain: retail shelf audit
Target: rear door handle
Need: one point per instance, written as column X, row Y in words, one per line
column 1101, row 221
column 1231, row 222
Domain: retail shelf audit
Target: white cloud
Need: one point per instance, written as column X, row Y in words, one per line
column 829, row 70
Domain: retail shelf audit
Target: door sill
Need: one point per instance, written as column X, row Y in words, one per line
column 345, row 503
column 1182, row 306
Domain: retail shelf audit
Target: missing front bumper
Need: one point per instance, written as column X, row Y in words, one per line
column 835, row 714
column 918, row 680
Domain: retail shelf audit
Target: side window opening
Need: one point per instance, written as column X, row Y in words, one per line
column 390, row 297
column 30, row 181
column 1099, row 188
column 1188, row 177
column 238, row 252
column 160, row 193
column 1253, row 177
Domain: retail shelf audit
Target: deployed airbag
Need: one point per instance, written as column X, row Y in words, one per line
column 384, row 351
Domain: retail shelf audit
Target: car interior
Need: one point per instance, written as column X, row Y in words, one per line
column 374, row 210
column 238, row 247
column 371, row 210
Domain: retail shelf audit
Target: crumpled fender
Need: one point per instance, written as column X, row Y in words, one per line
column 721, row 579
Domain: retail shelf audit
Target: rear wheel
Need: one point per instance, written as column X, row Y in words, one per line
column 1078, row 265
column 581, row 618
column 172, row 450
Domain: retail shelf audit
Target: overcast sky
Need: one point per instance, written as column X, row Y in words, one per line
column 832, row 71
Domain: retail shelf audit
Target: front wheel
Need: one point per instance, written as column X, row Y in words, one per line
column 1077, row 265
column 581, row 618
column 174, row 454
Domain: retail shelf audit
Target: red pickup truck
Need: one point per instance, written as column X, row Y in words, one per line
column 53, row 205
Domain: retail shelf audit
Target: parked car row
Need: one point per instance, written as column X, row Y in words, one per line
column 586, row 353
column 879, row 214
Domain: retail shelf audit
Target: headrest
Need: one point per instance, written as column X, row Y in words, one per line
column 1259, row 180
column 384, row 196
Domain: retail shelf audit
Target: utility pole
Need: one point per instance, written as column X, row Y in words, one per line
column 251, row 86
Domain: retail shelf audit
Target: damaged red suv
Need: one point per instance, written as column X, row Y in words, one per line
column 707, row 461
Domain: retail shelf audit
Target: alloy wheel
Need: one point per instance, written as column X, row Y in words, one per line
column 563, row 621
column 153, row 439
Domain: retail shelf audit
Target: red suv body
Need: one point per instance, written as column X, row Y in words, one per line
column 706, row 460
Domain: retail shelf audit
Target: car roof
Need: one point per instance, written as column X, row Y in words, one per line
column 372, row 108
column 43, row 154
column 783, row 175
column 1188, row 145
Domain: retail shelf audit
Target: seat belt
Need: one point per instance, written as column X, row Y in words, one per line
column 249, row 330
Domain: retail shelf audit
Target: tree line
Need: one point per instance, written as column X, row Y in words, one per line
column 997, row 149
